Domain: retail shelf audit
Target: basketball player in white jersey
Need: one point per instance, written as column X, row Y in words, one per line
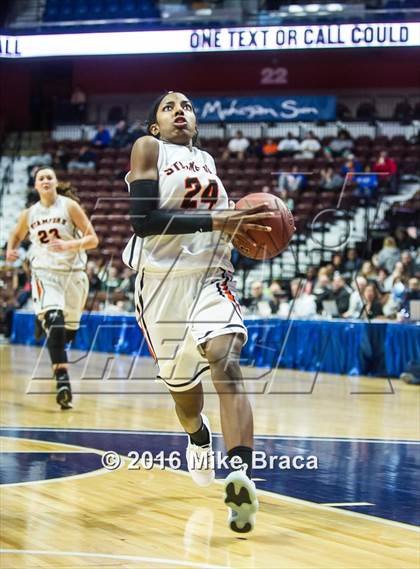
column 185, row 302
column 60, row 233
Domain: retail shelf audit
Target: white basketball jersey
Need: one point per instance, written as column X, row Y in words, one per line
column 187, row 180
column 46, row 224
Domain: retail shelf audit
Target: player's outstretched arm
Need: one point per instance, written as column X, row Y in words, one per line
column 146, row 217
column 17, row 235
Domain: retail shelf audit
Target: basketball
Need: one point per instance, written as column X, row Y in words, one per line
column 282, row 225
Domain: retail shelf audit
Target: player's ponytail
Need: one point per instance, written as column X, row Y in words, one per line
column 67, row 190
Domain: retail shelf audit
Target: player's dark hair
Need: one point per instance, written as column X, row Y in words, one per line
column 151, row 117
column 63, row 188
column 67, row 190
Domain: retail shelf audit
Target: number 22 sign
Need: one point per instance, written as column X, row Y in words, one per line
column 274, row 76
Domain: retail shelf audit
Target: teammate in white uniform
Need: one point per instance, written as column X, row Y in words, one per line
column 185, row 301
column 60, row 233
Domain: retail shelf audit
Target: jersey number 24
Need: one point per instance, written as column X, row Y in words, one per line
column 195, row 192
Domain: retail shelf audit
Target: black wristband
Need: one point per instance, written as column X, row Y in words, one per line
column 147, row 219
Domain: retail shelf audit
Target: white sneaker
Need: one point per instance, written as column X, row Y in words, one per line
column 200, row 460
column 241, row 497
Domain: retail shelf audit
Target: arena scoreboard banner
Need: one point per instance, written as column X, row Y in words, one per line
column 213, row 40
column 269, row 109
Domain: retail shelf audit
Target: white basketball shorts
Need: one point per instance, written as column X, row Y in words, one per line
column 180, row 311
column 66, row 291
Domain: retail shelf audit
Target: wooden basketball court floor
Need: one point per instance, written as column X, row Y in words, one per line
column 61, row 508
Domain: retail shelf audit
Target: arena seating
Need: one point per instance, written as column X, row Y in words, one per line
column 405, row 213
column 68, row 10
column 107, row 183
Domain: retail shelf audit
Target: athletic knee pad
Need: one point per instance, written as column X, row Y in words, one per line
column 54, row 318
column 56, row 339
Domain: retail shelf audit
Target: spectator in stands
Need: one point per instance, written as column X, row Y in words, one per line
column 409, row 266
column 389, row 254
column 128, row 279
column 372, row 304
column 292, row 181
column 237, row 146
column 322, row 289
column 340, row 294
column 411, row 375
column 382, row 281
column 269, row 148
column 388, row 167
column 337, row 262
column 289, row 145
column 282, row 194
column 366, row 183
column 112, row 280
column 18, row 296
column 277, row 297
column 258, row 304
column 330, row 179
column 385, row 164
column 86, row 160
column 395, row 299
column 78, row 101
column 38, row 160
column 412, row 292
column 302, row 305
column 102, row 137
column 136, row 131
column 92, row 271
column 310, row 280
column 309, row 146
column 121, row 137
column 368, row 271
column 356, row 300
column 61, row 157
column 397, row 275
column 404, row 239
column 329, row 270
column 351, row 165
column 342, row 145
column 352, row 263
column 255, row 148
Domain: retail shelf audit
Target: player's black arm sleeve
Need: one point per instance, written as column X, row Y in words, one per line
column 147, row 219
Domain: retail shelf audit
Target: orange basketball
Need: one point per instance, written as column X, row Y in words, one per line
column 282, row 228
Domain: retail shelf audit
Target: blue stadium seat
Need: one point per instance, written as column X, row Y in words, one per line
column 56, row 10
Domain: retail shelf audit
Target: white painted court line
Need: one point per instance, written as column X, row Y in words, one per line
column 97, row 472
column 156, row 560
column 366, row 517
column 171, row 433
column 51, row 451
column 326, row 508
column 84, row 450
column 337, row 504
